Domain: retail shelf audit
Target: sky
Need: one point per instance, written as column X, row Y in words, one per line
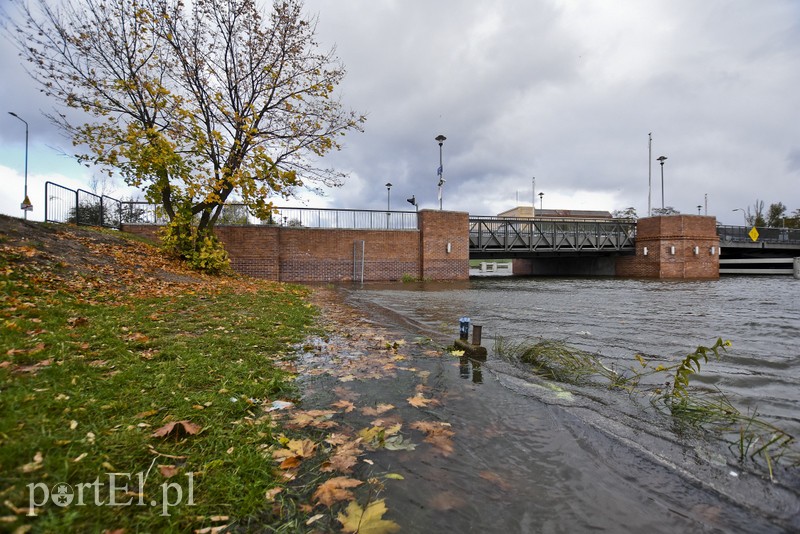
column 563, row 92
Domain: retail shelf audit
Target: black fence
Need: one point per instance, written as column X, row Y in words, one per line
column 741, row 234
column 65, row 205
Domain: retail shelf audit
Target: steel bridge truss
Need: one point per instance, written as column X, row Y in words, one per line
column 493, row 235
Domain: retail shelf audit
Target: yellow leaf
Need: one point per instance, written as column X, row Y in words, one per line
column 369, row 521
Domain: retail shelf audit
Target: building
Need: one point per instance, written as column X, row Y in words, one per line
column 526, row 212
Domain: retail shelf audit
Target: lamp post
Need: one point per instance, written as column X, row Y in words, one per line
column 699, row 207
column 388, row 196
column 26, row 205
column 541, row 196
column 662, row 159
column 743, row 214
column 649, row 172
column 440, row 139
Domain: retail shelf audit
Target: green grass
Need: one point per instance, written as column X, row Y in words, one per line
column 101, row 378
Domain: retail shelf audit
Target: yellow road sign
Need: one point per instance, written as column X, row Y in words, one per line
column 753, row 234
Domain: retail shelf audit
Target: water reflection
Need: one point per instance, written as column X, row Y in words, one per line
column 469, row 368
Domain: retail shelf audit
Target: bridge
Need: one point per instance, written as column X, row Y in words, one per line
column 493, row 237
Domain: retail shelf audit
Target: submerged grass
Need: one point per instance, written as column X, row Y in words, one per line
column 691, row 409
column 86, row 382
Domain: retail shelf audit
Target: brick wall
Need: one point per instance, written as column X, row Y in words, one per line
column 293, row 254
column 678, row 247
column 444, row 236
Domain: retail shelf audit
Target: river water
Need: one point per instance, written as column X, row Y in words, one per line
column 532, row 458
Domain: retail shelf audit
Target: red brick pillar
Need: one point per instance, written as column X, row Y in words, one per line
column 673, row 247
column 444, row 245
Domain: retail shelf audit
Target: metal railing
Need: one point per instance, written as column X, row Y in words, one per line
column 741, row 234
column 77, row 206
column 238, row 214
column 492, row 234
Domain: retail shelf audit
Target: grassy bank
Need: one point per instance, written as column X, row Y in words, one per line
column 141, row 386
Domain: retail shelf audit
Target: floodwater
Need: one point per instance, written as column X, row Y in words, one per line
column 576, row 459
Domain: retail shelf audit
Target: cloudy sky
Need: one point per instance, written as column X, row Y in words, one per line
column 563, row 91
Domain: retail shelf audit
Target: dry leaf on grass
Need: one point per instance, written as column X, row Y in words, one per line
column 177, row 428
column 168, row 471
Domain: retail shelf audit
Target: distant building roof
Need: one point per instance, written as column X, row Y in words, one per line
column 528, row 211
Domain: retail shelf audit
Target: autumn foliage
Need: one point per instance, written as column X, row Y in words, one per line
column 194, row 102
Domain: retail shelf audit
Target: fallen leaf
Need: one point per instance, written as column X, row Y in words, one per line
column 437, row 434
column 345, row 405
column 77, row 321
column 369, row 521
column 335, row 490
column 168, row 471
column 314, row 519
column 272, row 493
column 80, row 457
column 497, row 480
column 34, row 465
column 344, row 458
column 378, row 410
column 419, row 401
column 177, row 428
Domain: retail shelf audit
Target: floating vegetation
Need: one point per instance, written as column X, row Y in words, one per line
column 691, row 409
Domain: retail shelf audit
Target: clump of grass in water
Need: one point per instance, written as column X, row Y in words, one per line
column 747, row 435
column 690, row 408
column 558, row 361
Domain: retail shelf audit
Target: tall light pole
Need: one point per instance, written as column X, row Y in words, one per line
column 743, row 215
column 541, row 196
column 26, row 205
column 649, row 172
column 699, row 207
column 440, row 139
column 662, row 159
column 388, row 196
column 533, row 196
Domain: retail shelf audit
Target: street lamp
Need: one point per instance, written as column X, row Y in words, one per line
column 699, row 207
column 26, row 205
column 743, row 214
column 541, row 195
column 661, row 160
column 388, row 196
column 440, row 139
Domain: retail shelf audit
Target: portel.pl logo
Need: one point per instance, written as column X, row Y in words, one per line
column 112, row 493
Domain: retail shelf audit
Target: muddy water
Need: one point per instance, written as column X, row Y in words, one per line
column 530, row 459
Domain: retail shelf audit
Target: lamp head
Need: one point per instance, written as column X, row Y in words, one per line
column 440, row 139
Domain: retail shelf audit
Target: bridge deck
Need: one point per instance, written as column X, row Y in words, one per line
column 518, row 237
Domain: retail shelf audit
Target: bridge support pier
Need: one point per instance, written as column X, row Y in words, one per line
column 673, row 247
column 797, row 268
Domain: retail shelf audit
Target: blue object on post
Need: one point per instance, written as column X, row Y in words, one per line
column 464, row 327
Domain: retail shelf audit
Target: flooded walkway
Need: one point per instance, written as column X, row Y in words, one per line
column 462, row 447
